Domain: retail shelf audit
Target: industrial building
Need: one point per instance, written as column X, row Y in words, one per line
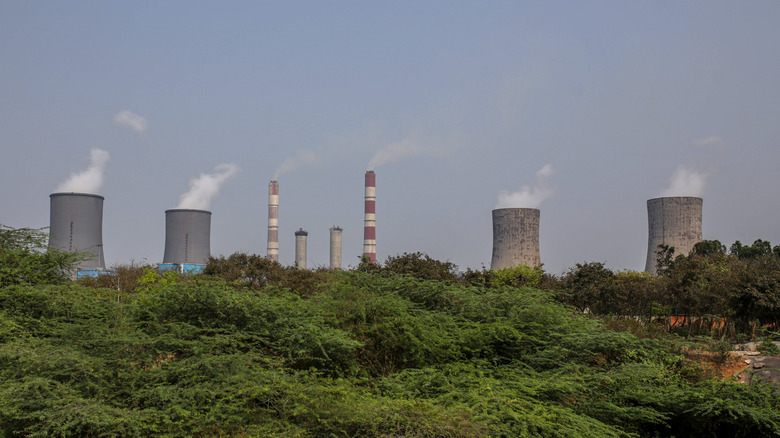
column 515, row 238
column 187, row 240
column 76, row 226
column 673, row 221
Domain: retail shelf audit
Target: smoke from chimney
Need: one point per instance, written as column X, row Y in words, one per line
column 685, row 182
column 301, row 159
column 205, row 188
column 529, row 196
column 90, row 180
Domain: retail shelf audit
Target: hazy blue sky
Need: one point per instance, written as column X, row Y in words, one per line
column 614, row 96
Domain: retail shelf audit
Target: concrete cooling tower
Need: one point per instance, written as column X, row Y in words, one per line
column 672, row 221
column 515, row 238
column 335, row 247
column 187, row 240
column 76, row 225
column 300, row 248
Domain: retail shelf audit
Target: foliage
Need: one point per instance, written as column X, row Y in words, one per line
column 421, row 266
column 25, row 259
column 768, row 348
column 252, row 349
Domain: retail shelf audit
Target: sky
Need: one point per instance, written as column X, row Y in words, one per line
column 584, row 110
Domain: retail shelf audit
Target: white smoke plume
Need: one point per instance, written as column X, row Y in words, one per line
column 529, row 196
column 395, row 151
column 205, row 188
column 301, row 159
column 708, row 141
column 685, row 182
column 90, row 180
column 132, row 120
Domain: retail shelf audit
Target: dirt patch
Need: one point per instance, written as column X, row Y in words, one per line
column 724, row 365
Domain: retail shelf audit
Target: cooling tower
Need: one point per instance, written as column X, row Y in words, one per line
column 300, row 248
column 369, row 227
column 187, row 238
column 273, row 221
column 672, row 221
column 76, row 225
column 515, row 238
column 335, row 248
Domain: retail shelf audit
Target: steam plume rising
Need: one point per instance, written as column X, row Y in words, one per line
column 685, row 182
column 301, row 159
column 132, row 120
column 205, row 188
column 528, row 196
column 90, row 180
column 395, row 151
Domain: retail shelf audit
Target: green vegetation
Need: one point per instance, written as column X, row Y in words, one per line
column 406, row 349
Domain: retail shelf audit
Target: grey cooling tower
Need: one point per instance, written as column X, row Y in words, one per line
column 76, row 225
column 300, row 248
column 335, row 247
column 673, row 221
column 515, row 238
column 187, row 237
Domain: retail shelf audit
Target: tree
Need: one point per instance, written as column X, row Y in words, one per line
column 421, row 265
column 708, row 247
column 25, row 259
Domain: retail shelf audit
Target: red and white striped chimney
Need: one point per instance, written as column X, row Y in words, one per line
column 273, row 221
column 369, row 227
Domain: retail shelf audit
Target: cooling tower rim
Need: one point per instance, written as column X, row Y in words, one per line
column 673, row 197
column 516, row 209
column 91, row 195
column 174, row 210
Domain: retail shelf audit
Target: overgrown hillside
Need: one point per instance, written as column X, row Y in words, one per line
column 254, row 349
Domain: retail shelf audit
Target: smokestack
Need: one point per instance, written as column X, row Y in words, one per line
column 300, row 248
column 187, row 239
column 335, row 248
column 515, row 238
column 76, row 225
column 369, row 223
column 673, row 221
column 273, row 221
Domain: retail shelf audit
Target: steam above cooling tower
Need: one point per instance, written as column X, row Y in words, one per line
column 273, row 221
column 335, row 247
column 515, row 238
column 300, row 248
column 369, row 222
column 672, row 221
column 187, row 239
column 76, row 225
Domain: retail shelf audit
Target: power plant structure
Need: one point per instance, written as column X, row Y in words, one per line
column 335, row 247
column 369, row 219
column 675, row 222
column 272, row 252
column 300, row 248
column 187, row 240
column 515, row 238
column 76, row 226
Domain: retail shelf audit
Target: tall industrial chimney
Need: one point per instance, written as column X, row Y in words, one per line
column 673, row 221
column 300, row 248
column 187, row 239
column 273, row 221
column 515, row 238
column 76, row 225
column 335, row 248
column 369, row 223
